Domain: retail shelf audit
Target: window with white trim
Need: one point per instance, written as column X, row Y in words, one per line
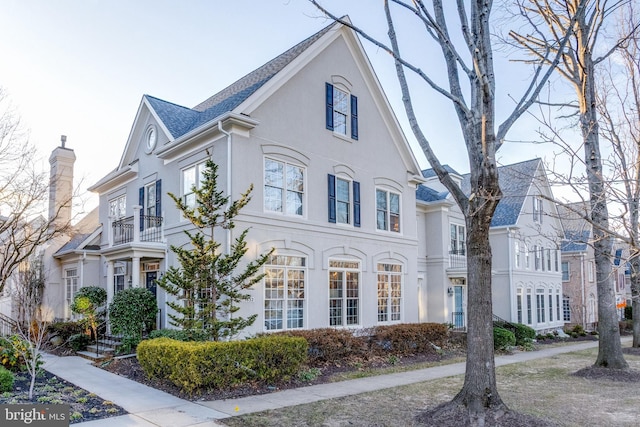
column 341, row 111
column 118, row 278
column 565, row 271
column 519, row 305
column 284, row 292
column 566, row 309
column 540, row 305
column 548, row 259
column 550, row 305
column 537, row 253
column 118, row 207
column 283, row 187
column 517, row 254
column 529, row 307
column 71, row 280
column 558, row 305
column 387, row 211
column 344, row 293
column 389, row 292
column 343, row 201
column 537, row 210
column 527, row 256
column 458, row 241
column 192, row 178
column 590, row 271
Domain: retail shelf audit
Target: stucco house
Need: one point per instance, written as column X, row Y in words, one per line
column 334, row 189
column 525, row 241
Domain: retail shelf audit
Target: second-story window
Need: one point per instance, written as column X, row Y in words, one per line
column 387, row 211
column 150, row 200
column 283, row 187
column 537, row 210
column 192, row 177
column 344, row 201
column 118, row 207
column 458, row 240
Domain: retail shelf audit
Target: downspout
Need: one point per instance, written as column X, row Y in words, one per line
column 229, row 187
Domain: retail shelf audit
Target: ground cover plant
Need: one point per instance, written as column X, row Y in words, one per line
column 49, row 389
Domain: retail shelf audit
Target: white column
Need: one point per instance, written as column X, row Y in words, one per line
column 135, row 272
column 136, row 223
column 110, row 277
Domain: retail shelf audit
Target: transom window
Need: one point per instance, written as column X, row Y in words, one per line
column 283, row 187
column 389, row 292
column 192, row 178
column 458, row 240
column 118, row 207
column 387, row 211
column 284, row 292
column 344, row 293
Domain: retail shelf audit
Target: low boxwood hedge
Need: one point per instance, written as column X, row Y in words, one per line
column 198, row 365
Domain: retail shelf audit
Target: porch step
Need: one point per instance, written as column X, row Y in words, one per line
column 91, row 355
column 101, row 348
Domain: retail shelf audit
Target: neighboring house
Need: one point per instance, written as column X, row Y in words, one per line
column 526, row 277
column 580, row 304
column 621, row 271
column 334, row 189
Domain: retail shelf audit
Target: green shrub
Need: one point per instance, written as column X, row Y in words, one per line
column 221, row 365
column 524, row 334
column 65, row 329
column 181, row 335
column 79, row 342
column 6, row 380
column 132, row 313
column 503, row 339
column 12, row 350
column 331, row 345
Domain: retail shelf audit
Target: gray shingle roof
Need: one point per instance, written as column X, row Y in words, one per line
column 515, row 181
column 74, row 243
column 181, row 120
column 428, row 194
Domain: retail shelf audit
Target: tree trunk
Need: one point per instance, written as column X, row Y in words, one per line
column 610, row 348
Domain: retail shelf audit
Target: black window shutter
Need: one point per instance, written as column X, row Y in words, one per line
column 158, row 198
column 331, row 182
column 329, row 105
column 354, row 117
column 356, row 204
column 141, row 200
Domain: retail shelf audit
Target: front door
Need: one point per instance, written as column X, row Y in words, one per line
column 151, row 282
column 459, row 304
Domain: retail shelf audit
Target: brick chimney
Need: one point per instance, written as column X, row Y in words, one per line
column 61, row 183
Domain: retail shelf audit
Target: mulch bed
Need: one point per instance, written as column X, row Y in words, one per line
column 49, row 389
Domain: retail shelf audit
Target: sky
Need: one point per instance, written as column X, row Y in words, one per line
column 80, row 68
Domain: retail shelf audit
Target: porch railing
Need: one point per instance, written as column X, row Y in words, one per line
column 458, row 258
column 124, row 230
column 8, row 326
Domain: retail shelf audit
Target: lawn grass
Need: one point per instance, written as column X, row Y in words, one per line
column 543, row 387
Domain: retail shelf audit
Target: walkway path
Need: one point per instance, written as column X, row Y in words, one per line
column 150, row 407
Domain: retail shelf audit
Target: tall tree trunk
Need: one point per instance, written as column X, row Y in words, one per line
column 610, row 349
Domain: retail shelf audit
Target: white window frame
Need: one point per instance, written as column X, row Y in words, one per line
column 285, row 292
column 457, row 239
column 344, row 205
column 517, row 254
column 540, row 303
column 565, row 278
column 119, row 273
column 341, row 298
column 590, row 269
column 72, row 284
column 150, row 199
column 519, row 305
column 118, row 207
column 386, row 211
column 527, row 256
column 197, row 170
column 389, row 292
column 341, row 106
column 537, row 209
column 286, row 186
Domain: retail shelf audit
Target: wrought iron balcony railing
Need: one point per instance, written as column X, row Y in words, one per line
column 458, row 258
column 145, row 229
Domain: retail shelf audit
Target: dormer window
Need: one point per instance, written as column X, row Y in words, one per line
column 341, row 111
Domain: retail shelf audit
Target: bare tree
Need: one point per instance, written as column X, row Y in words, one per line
column 619, row 107
column 471, row 89
column 549, row 20
column 24, row 191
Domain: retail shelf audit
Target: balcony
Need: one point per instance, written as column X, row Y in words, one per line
column 137, row 228
column 458, row 259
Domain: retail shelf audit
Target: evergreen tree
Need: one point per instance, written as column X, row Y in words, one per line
column 207, row 287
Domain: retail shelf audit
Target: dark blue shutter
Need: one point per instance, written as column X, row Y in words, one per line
column 356, row 204
column 141, row 202
column 354, row 117
column 329, row 105
column 331, row 185
column 158, row 197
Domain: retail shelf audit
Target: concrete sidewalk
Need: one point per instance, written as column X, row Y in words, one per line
column 150, row 407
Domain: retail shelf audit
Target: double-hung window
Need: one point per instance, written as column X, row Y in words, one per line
column 540, row 305
column 344, row 201
column 341, row 111
column 71, row 283
column 344, row 293
column 118, row 278
column 118, row 207
column 389, row 292
column 192, row 178
column 537, row 210
column 283, row 187
column 565, row 271
column 284, row 292
column 387, row 211
column 150, row 200
column 458, row 241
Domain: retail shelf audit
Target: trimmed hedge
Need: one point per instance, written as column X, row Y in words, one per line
column 181, row 335
column 198, row 365
column 409, row 338
column 503, row 339
column 330, row 344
